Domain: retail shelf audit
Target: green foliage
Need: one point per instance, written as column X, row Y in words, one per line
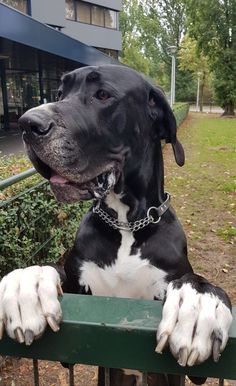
column 213, row 24
column 170, row 16
column 133, row 57
column 194, row 63
column 227, row 233
column 133, row 24
column 13, row 165
column 180, row 111
column 190, row 58
column 148, row 29
column 224, row 80
column 185, row 86
column 36, row 229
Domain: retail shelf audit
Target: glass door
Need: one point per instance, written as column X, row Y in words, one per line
column 23, row 94
column 1, row 109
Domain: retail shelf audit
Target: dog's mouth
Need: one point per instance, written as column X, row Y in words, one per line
column 68, row 189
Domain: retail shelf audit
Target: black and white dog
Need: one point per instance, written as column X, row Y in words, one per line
column 102, row 140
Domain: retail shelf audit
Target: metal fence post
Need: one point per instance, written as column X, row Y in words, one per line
column 36, row 372
column 71, row 375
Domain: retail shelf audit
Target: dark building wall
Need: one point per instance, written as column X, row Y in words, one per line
column 53, row 12
column 30, row 77
column 33, row 57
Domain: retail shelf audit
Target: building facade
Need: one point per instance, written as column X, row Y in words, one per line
column 39, row 40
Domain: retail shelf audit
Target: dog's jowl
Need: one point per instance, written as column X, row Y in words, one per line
column 102, row 140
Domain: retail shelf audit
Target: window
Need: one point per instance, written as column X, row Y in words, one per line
column 109, row 52
column 110, row 18
column 91, row 14
column 83, row 12
column 98, row 16
column 70, row 10
column 20, row 5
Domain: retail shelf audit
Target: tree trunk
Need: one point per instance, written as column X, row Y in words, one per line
column 229, row 109
column 201, row 94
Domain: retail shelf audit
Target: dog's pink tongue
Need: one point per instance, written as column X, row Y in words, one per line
column 56, row 179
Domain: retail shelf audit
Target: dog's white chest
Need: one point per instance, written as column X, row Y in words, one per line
column 129, row 276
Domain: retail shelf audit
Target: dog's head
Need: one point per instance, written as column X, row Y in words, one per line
column 100, row 127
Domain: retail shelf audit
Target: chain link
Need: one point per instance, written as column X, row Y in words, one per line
column 129, row 226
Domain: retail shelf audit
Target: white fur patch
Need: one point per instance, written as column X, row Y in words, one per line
column 111, row 180
column 189, row 320
column 27, row 297
column 129, row 276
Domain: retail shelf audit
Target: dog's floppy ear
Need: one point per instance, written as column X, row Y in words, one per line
column 165, row 123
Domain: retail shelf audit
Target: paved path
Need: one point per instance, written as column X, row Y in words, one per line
column 208, row 109
column 11, row 144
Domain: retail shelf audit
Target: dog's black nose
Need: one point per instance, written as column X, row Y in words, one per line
column 35, row 122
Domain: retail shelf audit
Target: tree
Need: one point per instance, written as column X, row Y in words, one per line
column 190, row 59
column 148, row 29
column 132, row 52
column 213, row 24
column 132, row 55
column 185, row 86
column 171, row 16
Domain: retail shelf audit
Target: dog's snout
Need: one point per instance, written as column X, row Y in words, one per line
column 33, row 123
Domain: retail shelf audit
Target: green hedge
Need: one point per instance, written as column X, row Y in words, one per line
column 180, row 111
column 34, row 227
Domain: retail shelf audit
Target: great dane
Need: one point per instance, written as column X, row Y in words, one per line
column 102, row 140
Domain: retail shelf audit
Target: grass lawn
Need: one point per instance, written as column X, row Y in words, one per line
column 204, row 195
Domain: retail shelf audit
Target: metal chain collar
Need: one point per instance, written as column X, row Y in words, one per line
column 138, row 224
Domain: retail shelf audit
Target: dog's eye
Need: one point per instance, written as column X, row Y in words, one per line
column 152, row 102
column 102, row 95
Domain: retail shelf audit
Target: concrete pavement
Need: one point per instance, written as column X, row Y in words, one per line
column 11, row 144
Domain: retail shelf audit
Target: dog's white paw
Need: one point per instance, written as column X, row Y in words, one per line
column 28, row 301
column 195, row 321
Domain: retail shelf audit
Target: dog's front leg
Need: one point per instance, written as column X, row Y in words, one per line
column 196, row 320
column 28, row 302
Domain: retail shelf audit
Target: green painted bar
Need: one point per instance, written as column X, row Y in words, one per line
column 17, row 178
column 114, row 332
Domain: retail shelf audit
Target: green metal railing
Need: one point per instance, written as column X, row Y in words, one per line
column 17, row 178
column 115, row 333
